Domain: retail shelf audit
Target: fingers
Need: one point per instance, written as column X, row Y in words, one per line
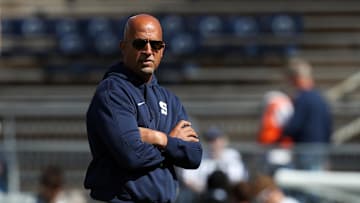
column 183, row 123
column 191, row 138
column 179, row 127
column 188, row 134
column 184, row 131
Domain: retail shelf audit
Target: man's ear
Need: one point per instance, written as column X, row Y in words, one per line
column 162, row 51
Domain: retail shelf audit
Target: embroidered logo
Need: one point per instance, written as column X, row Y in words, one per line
column 163, row 107
column 140, row 103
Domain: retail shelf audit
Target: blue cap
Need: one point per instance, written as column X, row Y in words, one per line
column 212, row 133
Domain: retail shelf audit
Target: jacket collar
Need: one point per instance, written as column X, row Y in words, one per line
column 120, row 70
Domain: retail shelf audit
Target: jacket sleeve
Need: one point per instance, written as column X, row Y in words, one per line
column 116, row 127
column 295, row 124
column 182, row 153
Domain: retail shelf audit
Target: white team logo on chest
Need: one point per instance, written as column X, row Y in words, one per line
column 163, row 107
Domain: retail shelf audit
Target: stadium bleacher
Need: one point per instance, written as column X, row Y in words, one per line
column 242, row 48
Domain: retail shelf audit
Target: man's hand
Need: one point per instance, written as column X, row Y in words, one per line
column 184, row 131
column 153, row 137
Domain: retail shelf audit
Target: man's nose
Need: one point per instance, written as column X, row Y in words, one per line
column 147, row 49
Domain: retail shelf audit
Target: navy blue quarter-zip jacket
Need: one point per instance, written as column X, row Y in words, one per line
column 123, row 166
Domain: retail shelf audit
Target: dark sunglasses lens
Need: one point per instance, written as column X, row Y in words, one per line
column 157, row 45
column 139, row 44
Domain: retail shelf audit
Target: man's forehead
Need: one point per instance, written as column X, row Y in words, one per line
column 145, row 30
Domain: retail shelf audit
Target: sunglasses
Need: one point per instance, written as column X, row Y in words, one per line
column 140, row 44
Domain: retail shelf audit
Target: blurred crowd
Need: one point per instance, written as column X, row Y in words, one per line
column 298, row 117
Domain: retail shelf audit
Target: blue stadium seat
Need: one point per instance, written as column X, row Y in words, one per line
column 71, row 39
column 66, row 26
column 106, row 43
column 210, row 25
column 98, row 25
column 183, row 44
column 8, row 26
column 285, row 25
column 71, row 44
column 33, row 26
column 247, row 30
column 102, row 35
column 118, row 26
column 7, row 29
column 243, row 26
column 204, row 28
column 172, row 24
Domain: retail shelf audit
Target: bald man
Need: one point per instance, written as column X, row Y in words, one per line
column 138, row 131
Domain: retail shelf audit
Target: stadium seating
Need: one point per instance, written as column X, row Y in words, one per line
column 7, row 27
column 183, row 44
column 64, row 26
column 243, row 26
column 106, row 43
column 96, row 26
column 172, row 24
column 207, row 25
column 185, row 35
column 71, row 44
column 33, row 26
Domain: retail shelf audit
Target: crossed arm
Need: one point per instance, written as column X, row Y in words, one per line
column 182, row 130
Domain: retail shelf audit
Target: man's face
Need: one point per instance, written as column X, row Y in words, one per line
column 140, row 52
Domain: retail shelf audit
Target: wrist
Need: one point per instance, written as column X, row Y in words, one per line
column 162, row 139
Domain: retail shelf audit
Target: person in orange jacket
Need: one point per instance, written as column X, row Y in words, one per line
column 277, row 111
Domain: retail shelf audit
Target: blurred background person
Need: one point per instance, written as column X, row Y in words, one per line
column 264, row 190
column 51, row 183
column 218, row 156
column 277, row 109
column 311, row 122
column 52, row 188
column 3, row 175
column 240, row 192
column 217, row 188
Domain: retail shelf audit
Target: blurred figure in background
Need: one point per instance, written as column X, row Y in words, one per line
column 240, row 192
column 51, row 184
column 312, row 121
column 277, row 109
column 217, row 190
column 217, row 157
column 264, row 190
column 3, row 175
column 52, row 190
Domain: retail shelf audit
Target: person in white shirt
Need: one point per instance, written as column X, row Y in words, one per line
column 217, row 156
